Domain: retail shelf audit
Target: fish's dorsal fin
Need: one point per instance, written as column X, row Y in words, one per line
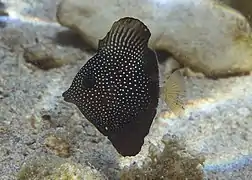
column 128, row 32
column 173, row 92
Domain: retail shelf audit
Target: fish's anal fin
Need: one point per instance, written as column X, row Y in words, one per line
column 129, row 140
column 173, row 92
column 127, row 32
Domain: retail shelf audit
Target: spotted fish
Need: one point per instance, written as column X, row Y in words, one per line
column 117, row 90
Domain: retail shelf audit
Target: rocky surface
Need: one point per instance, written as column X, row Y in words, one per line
column 35, row 122
column 204, row 35
column 46, row 167
column 49, row 56
column 171, row 163
column 242, row 6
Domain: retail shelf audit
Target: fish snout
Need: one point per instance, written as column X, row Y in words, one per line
column 66, row 96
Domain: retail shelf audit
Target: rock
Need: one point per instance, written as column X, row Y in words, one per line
column 49, row 56
column 51, row 167
column 203, row 35
column 59, row 146
column 34, row 121
column 172, row 163
column 3, row 129
column 245, row 7
column 3, row 94
column 189, row 73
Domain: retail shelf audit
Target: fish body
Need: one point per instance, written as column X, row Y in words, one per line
column 117, row 90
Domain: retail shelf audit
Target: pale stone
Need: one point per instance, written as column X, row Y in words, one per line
column 244, row 6
column 203, row 35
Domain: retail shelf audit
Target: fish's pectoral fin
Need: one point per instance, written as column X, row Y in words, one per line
column 128, row 32
column 173, row 92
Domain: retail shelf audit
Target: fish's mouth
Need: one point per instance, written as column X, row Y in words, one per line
column 66, row 97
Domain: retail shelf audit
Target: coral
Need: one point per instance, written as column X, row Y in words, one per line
column 59, row 146
column 54, row 168
column 173, row 163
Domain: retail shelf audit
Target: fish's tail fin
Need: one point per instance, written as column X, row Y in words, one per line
column 173, row 92
column 127, row 32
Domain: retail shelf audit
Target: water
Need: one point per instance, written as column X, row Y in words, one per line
column 217, row 121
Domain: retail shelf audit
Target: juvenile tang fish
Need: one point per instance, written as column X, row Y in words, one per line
column 117, row 90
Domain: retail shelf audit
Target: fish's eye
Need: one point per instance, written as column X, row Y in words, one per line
column 88, row 82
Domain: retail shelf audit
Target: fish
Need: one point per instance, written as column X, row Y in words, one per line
column 173, row 92
column 118, row 88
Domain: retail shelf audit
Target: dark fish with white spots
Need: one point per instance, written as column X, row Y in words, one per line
column 117, row 90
